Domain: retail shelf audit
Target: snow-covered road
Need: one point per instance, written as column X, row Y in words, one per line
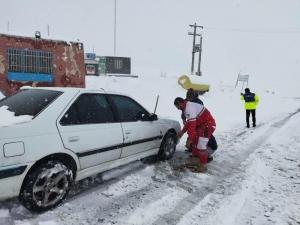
column 254, row 179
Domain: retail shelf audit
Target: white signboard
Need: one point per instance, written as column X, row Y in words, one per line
column 243, row 78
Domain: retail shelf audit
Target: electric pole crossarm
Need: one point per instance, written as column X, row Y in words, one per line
column 196, row 26
column 190, row 33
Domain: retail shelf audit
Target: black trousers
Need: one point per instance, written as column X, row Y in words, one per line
column 252, row 111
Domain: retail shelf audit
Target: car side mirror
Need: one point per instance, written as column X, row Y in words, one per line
column 153, row 117
column 146, row 116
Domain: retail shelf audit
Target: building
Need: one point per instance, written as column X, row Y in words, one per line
column 107, row 65
column 114, row 65
column 91, row 64
column 39, row 62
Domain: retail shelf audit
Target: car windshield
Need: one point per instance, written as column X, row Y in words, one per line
column 29, row 102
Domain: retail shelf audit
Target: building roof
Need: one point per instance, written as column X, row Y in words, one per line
column 42, row 39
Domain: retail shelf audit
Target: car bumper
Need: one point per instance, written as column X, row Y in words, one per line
column 11, row 179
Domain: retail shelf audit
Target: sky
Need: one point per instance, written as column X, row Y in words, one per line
column 256, row 37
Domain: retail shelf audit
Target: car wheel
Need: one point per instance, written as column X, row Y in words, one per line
column 168, row 147
column 46, row 186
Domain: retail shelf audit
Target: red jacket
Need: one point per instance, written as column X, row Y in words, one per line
column 198, row 121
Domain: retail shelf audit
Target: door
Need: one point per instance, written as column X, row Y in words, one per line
column 140, row 133
column 89, row 128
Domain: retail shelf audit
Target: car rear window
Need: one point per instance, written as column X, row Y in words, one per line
column 29, row 102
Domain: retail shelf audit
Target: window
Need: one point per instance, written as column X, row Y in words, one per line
column 118, row 64
column 128, row 110
column 29, row 102
column 29, row 61
column 14, row 60
column 88, row 109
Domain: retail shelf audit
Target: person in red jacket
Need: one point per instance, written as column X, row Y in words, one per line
column 199, row 126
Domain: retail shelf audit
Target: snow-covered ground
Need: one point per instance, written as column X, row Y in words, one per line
column 254, row 178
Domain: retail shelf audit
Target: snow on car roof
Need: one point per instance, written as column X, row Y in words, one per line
column 73, row 89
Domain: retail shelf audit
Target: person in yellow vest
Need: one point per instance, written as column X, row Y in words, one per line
column 251, row 101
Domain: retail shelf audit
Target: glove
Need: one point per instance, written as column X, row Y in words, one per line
column 179, row 135
column 188, row 144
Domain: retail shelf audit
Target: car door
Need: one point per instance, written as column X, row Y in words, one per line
column 89, row 129
column 140, row 134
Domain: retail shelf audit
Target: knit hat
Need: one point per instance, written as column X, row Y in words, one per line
column 178, row 100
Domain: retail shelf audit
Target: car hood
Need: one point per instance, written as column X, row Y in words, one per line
column 166, row 119
column 170, row 122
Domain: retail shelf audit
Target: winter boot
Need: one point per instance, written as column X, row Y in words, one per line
column 192, row 163
column 199, row 168
column 202, row 168
column 195, row 166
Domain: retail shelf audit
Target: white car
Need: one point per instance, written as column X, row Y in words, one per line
column 74, row 133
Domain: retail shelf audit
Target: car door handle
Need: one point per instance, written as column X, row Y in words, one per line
column 127, row 132
column 73, row 139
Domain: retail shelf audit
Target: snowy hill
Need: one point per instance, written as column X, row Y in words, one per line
column 223, row 100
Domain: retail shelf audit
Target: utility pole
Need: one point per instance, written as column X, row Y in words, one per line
column 48, row 30
column 199, row 59
column 195, row 47
column 115, row 27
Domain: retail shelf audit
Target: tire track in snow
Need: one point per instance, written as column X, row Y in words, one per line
column 220, row 175
column 151, row 212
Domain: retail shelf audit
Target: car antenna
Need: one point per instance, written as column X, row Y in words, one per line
column 156, row 103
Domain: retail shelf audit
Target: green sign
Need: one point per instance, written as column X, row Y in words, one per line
column 102, row 65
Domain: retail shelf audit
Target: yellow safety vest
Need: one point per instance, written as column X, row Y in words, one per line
column 252, row 104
